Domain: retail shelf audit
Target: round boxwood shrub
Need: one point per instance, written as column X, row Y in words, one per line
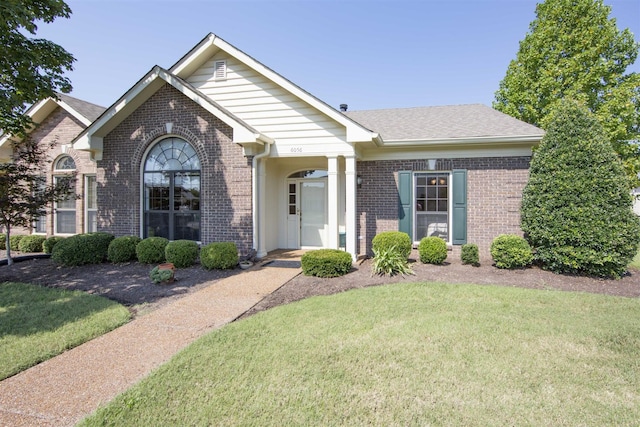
column 50, row 242
column 326, row 263
column 470, row 255
column 182, row 253
column 89, row 248
column 14, row 241
column 432, row 250
column 511, row 251
column 219, row 255
column 32, row 243
column 151, row 250
column 577, row 207
column 123, row 249
column 398, row 240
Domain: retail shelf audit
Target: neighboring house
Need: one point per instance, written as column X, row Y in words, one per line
column 221, row 148
column 58, row 122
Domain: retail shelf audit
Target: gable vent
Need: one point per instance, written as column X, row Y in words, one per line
column 220, row 70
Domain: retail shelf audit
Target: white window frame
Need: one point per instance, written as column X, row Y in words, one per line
column 41, row 220
column 87, row 209
column 61, row 173
column 449, row 203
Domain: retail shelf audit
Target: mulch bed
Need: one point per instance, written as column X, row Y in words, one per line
column 130, row 284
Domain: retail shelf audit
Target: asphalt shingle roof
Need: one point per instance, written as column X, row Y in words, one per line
column 87, row 109
column 445, row 122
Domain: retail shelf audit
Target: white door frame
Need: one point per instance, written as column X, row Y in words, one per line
column 295, row 212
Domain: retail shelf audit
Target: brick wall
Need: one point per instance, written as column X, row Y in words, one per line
column 59, row 129
column 494, row 193
column 225, row 173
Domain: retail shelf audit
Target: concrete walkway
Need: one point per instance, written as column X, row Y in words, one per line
column 65, row 389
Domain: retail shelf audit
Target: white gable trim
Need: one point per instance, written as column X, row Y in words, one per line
column 38, row 113
column 212, row 44
column 92, row 138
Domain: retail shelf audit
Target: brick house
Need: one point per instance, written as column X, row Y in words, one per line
column 221, row 148
column 59, row 121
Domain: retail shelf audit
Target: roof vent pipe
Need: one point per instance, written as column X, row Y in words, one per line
column 343, row 107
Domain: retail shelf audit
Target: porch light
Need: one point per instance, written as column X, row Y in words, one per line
column 359, row 181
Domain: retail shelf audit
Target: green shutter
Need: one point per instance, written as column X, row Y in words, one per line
column 405, row 213
column 459, row 214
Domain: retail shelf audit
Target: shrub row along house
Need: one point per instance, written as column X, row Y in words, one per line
column 221, row 148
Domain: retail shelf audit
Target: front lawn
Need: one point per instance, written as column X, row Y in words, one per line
column 405, row 354
column 37, row 323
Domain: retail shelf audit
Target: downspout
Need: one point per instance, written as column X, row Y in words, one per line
column 254, row 202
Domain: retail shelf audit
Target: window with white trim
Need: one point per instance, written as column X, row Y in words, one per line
column 432, row 197
column 40, row 224
column 64, row 212
column 90, row 204
column 172, row 191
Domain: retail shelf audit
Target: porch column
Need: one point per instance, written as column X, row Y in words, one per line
column 260, row 235
column 351, row 206
column 332, row 202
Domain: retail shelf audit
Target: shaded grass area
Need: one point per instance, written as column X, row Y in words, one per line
column 405, row 354
column 37, row 323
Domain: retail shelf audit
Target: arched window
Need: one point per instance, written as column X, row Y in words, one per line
column 65, row 211
column 172, row 191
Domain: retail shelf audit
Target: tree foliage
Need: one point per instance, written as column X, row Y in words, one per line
column 24, row 192
column 573, row 50
column 576, row 209
column 32, row 69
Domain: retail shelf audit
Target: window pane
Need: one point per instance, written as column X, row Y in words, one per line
column 92, row 221
column 91, row 197
column 65, row 163
column 66, row 222
column 157, row 224
column 187, row 226
column 40, row 226
column 432, row 217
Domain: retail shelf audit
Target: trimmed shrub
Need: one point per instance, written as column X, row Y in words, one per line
column 432, row 250
column 219, row 255
column 511, row 251
column 32, row 243
column 398, row 240
column 390, row 261
column 123, row 249
column 14, row 241
column 577, row 206
column 3, row 242
column 49, row 243
column 326, row 263
column 470, row 255
column 89, row 248
column 182, row 253
column 151, row 250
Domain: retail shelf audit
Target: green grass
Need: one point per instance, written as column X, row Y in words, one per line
column 636, row 261
column 408, row 354
column 37, row 323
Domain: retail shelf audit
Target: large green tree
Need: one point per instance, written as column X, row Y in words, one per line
column 31, row 69
column 574, row 50
column 576, row 208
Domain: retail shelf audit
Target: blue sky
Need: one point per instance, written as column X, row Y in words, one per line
column 369, row 54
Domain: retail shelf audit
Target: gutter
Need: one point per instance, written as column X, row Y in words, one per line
column 254, row 202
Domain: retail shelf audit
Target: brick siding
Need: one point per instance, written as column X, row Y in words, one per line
column 226, row 213
column 60, row 128
column 494, row 194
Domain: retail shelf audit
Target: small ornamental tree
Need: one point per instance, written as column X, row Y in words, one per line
column 576, row 208
column 24, row 193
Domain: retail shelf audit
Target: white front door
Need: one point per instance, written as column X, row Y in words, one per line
column 306, row 213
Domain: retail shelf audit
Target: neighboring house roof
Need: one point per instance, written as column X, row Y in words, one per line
column 84, row 112
column 86, row 109
column 443, row 123
column 91, row 138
